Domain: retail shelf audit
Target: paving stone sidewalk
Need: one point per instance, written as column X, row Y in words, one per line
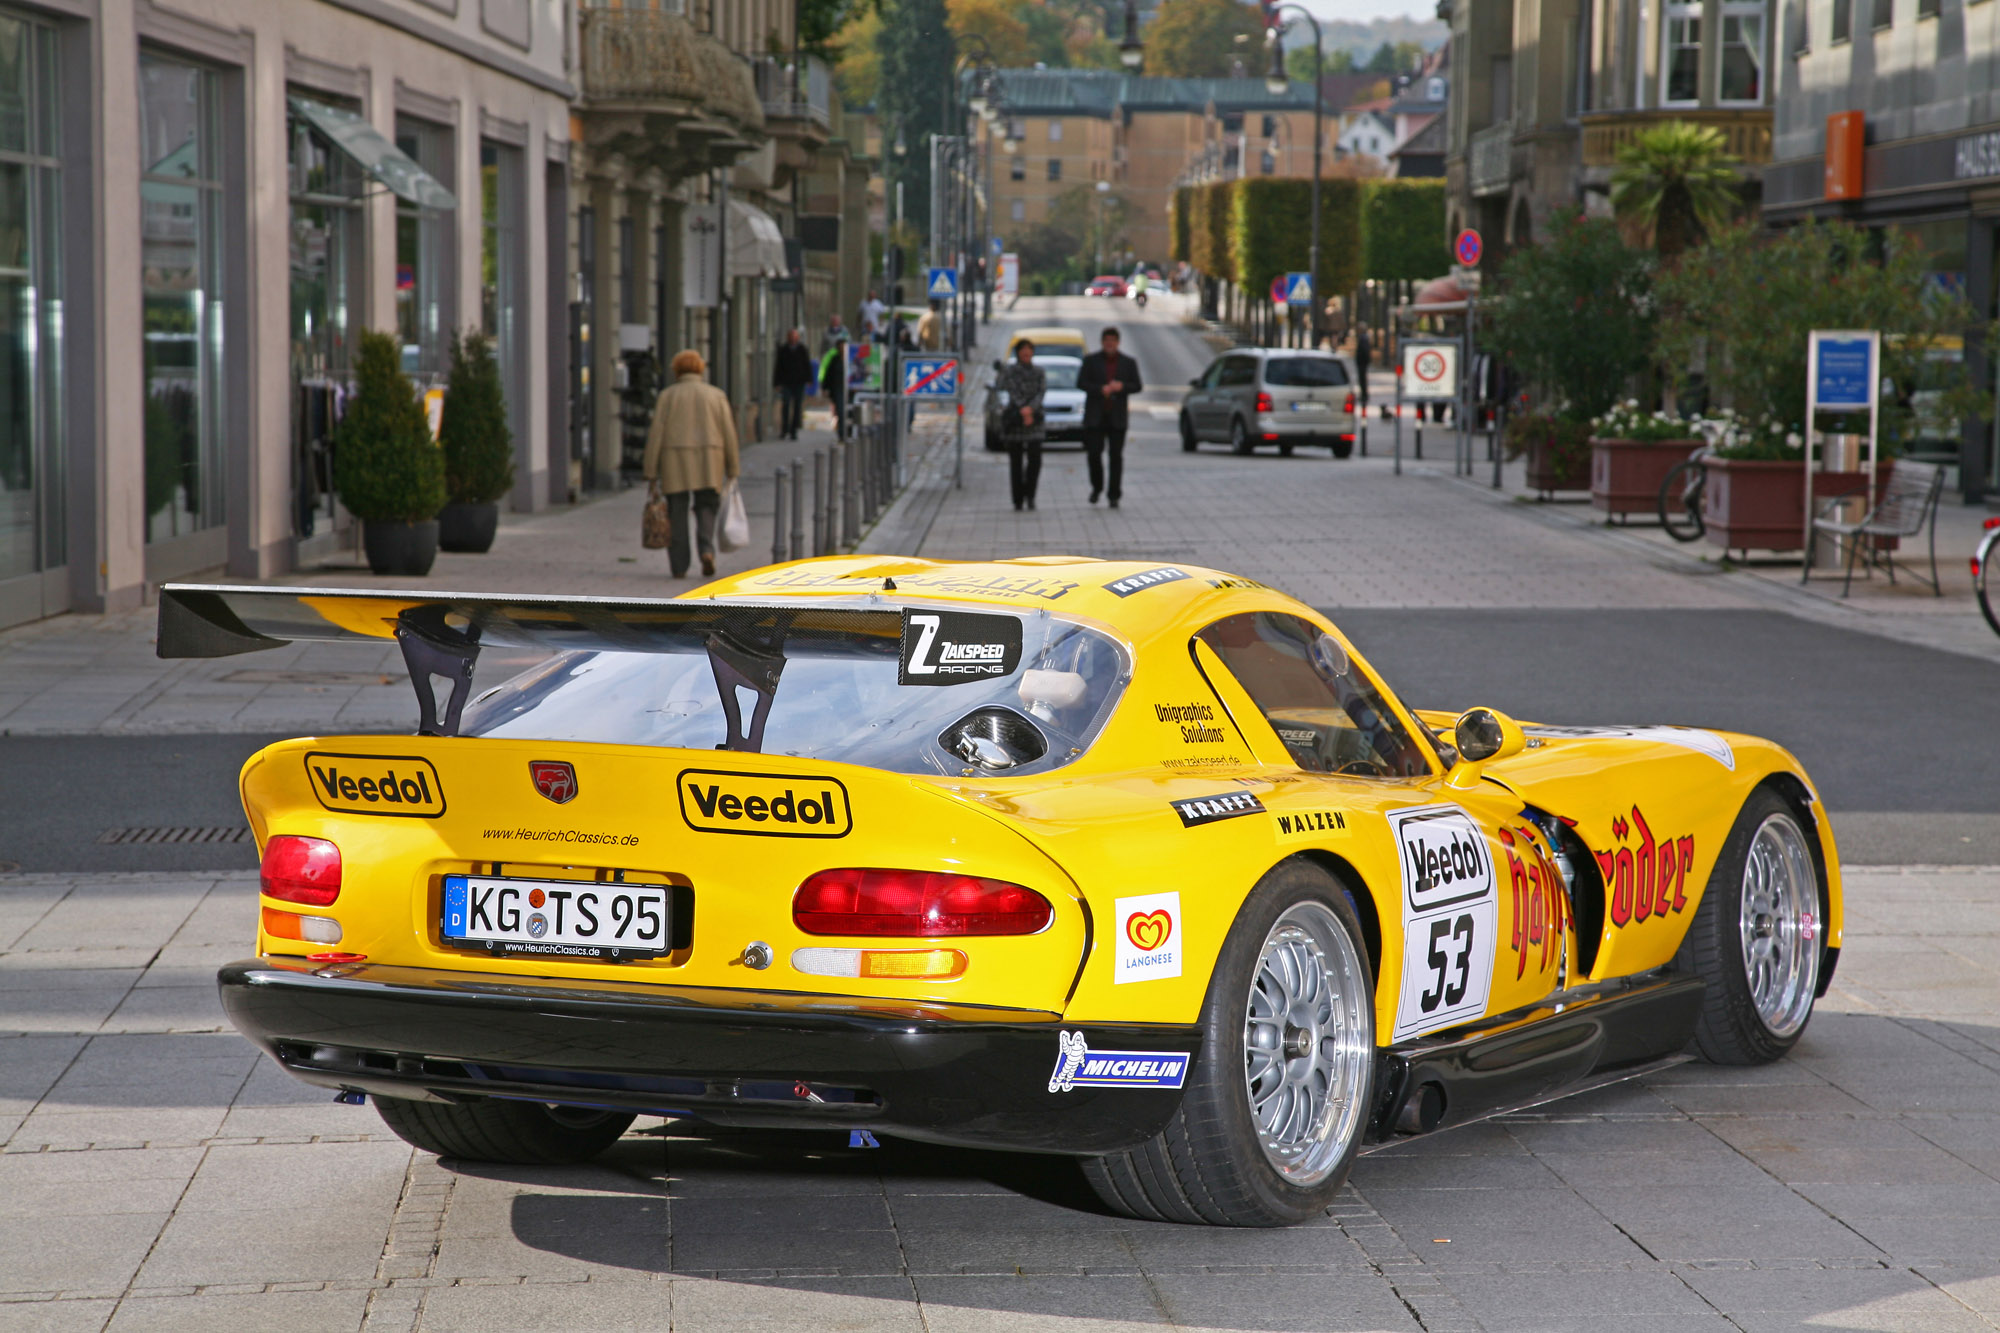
column 157, row 1173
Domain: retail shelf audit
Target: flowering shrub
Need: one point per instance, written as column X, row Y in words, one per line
column 1763, row 436
column 1564, row 445
column 1628, row 421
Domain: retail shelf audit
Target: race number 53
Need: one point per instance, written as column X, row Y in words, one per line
column 1450, row 913
column 1450, row 960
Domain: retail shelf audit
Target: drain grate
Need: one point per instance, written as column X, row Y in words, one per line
column 180, row 833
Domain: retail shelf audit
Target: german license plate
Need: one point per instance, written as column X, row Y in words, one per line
column 562, row 918
column 1309, row 406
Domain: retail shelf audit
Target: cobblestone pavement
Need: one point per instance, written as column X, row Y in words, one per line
column 157, row 1173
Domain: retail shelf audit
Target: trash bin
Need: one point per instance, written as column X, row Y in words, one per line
column 1837, row 454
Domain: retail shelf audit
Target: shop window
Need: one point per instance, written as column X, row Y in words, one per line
column 1055, row 168
column 1742, row 53
column 628, row 271
column 328, row 233
column 31, row 301
column 423, row 257
column 1680, row 64
column 180, row 228
column 501, row 265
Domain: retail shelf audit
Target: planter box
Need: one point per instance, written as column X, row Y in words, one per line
column 1625, row 475
column 1754, row 504
column 1546, row 475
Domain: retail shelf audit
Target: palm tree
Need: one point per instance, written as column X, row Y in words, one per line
column 1676, row 183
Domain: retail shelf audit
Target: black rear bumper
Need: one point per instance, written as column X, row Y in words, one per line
column 946, row 1074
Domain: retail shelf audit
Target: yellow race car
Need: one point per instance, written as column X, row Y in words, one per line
column 1141, row 864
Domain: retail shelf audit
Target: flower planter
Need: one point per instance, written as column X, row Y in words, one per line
column 1626, row 475
column 1756, row 504
column 468, row 527
column 403, row 549
column 1550, row 471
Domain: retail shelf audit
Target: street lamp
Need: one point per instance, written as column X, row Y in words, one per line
column 1278, row 84
column 1103, row 190
column 1131, row 53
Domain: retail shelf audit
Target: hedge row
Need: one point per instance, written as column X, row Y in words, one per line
column 1251, row 230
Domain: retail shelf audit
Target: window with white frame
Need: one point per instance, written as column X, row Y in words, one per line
column 1018, row 210
column 1055, row 131
column 1680, row 54
column 1743, row 24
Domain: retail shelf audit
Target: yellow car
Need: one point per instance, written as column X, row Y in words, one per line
column 1140, row 864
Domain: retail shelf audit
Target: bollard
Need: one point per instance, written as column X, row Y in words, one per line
column 819, row 503
column 828, row 524
column 798, row 510
column 850, row 509
column 835, row 538
column 778, row 520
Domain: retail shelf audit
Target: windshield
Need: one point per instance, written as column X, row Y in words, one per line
column 927, row 691
column 1061, row 372
column 1304, row 372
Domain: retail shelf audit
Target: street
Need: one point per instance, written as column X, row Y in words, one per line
column 156, row 1172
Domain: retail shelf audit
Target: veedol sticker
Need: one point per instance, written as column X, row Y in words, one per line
column 1077, row 1066
column 952, row 647
column 1688, row 738
column 1450, row 918
column 1149, row 937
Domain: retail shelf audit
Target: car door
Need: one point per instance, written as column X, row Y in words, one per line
column 1484, row 923
column 1235, row 393
column 1199, row 403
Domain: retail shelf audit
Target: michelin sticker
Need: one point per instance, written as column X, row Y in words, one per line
column 1149, row 937
column 1450, row 918
column 1077, row 1066
column 1688, row 738
column 952, row 647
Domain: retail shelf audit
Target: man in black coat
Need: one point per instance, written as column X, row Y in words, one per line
column 1108, row 379
column 791, row 375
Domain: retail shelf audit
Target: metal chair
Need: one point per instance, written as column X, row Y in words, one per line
column 1907, row 505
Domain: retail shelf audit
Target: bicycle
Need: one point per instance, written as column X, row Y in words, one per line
column 1982, row 561
column 1680, row 500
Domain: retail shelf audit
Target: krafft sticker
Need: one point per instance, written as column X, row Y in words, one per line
column 1144, row 579
column 952, row 647
column 376, row 784
column 1195, row 810
column 764, row 805
column 1149, row 937
column 1077, row 1066
column 1450, row 918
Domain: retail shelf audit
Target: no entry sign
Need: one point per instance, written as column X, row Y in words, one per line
column 1430, row 370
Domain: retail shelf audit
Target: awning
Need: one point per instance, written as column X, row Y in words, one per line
column 376, row 155
column 756, row 246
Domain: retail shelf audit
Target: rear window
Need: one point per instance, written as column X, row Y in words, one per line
column 1304, row 372
column 936, row 691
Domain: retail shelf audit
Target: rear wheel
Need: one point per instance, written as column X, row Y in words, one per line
column 1188, row 438
column 1280, row 1097
column 1285, row 450
column 1239, row 437
column 1758, row 936
column 1343, row 448
column 516, row 1133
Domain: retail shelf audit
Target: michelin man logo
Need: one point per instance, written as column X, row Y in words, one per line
column 1072, row 1051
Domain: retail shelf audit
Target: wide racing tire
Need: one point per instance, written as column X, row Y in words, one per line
column 1278, row 1102
column 1758, row 937
column 509, row 1132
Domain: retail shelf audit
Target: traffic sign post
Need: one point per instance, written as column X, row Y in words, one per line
column 1468, row 248
column 941, row 284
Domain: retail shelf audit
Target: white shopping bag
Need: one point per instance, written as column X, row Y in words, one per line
column 735, row 533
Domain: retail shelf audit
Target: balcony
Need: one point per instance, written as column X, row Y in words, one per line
column 1746, row 133
column 798, row 108
column 663, row 95
column 1490, row 159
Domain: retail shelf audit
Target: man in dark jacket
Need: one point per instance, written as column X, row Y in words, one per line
column 1108, row 379
column 791, row 376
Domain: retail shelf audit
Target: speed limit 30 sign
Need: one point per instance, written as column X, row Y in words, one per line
column 1430, row 370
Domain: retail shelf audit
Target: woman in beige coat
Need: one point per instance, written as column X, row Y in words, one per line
column 691, row 456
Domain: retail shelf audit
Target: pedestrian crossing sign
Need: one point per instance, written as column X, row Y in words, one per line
column 1298, row 289
column 943, row 284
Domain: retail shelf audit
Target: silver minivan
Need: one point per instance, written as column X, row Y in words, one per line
column 1282, row 396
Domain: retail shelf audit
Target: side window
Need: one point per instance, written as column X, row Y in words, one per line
column 1238, row 370
column 1330, row 716
column 1213, row 375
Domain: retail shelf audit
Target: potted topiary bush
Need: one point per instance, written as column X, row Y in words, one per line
column 478, row 447
column 1557, row 449
column 386, row 467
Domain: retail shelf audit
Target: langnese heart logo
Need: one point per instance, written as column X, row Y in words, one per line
column 1149, row 930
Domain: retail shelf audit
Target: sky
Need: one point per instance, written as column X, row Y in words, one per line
column 1363, row 11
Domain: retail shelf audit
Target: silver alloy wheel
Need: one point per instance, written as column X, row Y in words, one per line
column 1307, row 1042
column 1780, row 925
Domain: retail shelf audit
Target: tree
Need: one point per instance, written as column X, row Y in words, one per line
column 917, row 54
column 1674, row 183
column 1574, row 315
column 1099, row 221
column 1196, row 39
column 1001, row 24
column 859, row 63
column 820, row 23
column 1403, row 230
column 386, row 467
column 1299, row 59
column 1395, row 58
column 478, row 446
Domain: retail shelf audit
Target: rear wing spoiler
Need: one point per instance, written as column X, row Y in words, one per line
column 440, row 633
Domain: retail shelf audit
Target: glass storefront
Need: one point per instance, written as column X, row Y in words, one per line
column 423, row 321
column 326, row 263
column 501, row 264
column 31, row 322
column 180, row 203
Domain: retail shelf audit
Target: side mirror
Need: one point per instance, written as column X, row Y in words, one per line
column 1486, row 733
column 1195, row 383
column 998, row 364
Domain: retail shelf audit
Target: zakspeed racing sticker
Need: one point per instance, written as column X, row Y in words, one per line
column 1077, row 1066
column 1149, row 937
column 952, row 647
column 1450, row 918
column 1687, row 738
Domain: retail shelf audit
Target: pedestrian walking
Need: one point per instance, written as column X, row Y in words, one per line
column 691, row 456
column 872, row 311
column 833, row 381
column 1108, row 379
column 1364, row 352
column 1023, row 423
column 791, row 376
column 930, row 329
column 836, row 332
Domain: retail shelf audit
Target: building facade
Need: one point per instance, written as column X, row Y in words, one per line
column 1544, row 92
column 216, row 197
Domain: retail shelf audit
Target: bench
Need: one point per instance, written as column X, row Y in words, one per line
column 1907, row 506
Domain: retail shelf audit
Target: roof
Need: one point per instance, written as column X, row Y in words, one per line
column 1102, row 92
column 1429, row 139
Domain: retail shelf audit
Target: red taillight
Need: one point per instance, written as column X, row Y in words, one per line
column 915, row 902
column 1264, row 403
column 301, row 870
column 1993, row 522
column 1348, row 407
